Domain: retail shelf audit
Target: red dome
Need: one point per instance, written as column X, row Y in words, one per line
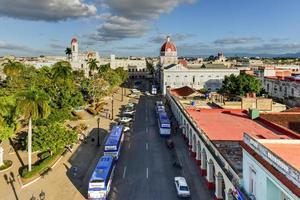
column 168, row 45
column 74, row 40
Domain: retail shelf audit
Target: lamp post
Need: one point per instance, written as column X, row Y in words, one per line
column 112, row 106
column 98, row 138
column 122, row 93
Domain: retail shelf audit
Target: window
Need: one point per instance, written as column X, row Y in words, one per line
column 73, row 47
column 252, row 182
column 280, row 88
column 268, row 87
column 292, row 91
column 193, row 79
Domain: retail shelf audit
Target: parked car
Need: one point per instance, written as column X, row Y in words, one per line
column 125, row 119
column 135, row 91
column 126, row 128
column 128, row 112
column 182, row 187
column 130, row 105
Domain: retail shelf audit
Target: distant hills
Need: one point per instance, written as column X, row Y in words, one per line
column 261, row 55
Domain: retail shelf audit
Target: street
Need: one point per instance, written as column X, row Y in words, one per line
column 145, row 170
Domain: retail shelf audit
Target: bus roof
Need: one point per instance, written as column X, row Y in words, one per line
column 163, row 118
column 114, row 136
column 102, row 168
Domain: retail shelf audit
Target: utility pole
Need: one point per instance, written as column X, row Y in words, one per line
column 98, row 121
column 112, row 106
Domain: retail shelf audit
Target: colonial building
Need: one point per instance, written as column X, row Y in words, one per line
column 262, row 164
column 176, row 74
column 79, row 59
column 136, row 66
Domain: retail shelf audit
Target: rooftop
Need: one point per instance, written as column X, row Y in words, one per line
column 230, row 125
column 287, row 151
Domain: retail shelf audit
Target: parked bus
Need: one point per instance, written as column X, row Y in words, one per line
column 100, row 181
column 159, row 107
column 164, row 124
column 114, row 142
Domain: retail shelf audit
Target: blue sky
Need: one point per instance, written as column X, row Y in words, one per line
column 138, row 27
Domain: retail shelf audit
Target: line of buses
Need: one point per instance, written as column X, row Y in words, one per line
column 100, row 181
column 164, row 124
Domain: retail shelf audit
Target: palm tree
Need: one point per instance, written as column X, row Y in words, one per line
column 68, row 52
column 93, row 65
column 62, row 70
column 12, row 68
column 32, row 104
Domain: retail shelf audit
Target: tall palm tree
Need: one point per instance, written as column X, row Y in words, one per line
column 93, row 65
column 32, row 104
column 12, row 68
column 62, row 70
column 68, row 52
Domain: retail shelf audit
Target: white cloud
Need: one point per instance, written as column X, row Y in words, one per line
column 143, row 9
column 237, row 40
column 46, row 10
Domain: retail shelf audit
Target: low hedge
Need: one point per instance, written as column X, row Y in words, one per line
column 7, row 164
column 39, row 167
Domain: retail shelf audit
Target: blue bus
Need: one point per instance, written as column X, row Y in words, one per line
column 159, row 107
column 100, row 181
column 114, row 142
column 164, row 124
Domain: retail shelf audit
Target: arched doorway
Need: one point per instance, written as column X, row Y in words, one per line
column 198, row 155
column 203, row 162
column 210, row 177
column 220, row 186
column 194, row 147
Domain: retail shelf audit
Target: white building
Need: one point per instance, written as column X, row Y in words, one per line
column 271, row 168
column 79, row 59
column 136, row 67
column 174, row 75
column 282, row 87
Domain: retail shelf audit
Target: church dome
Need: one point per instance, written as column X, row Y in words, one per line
column 168, row 46
column 74, row 40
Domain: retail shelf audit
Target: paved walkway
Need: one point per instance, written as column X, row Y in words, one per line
column 61, row 183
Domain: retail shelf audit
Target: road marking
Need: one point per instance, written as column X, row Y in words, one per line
column 147, row 146
column 147, row 173
column 124, row 172
column 129, row 145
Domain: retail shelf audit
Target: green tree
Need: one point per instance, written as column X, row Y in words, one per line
column 52, row 138
column 241, row 84
column 123, row 74
column 68, row 52
column 12, row 68
column 93, row 65
column 62, row 70
column 32, row 104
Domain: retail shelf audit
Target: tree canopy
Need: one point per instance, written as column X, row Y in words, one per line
column 240, row 85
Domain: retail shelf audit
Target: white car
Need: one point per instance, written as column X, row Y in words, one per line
column 133, row 95
column 135, row 91
column 128, row 112
column 147, row 93
column 125, row 119
column 126, row 129
column 130, row 105
column 181, row 187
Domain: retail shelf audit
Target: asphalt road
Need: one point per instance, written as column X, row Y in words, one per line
column 144, row 170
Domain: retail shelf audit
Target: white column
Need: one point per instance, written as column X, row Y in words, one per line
column 229, row 195
column 198, row 152
column 210, row 172
column 219, row 189
column 1, row 156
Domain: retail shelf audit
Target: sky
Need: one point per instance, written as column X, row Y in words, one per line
column 139, row 27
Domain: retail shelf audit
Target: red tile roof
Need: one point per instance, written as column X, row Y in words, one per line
column 183, row 91
column 73, row 40
column 230, row 125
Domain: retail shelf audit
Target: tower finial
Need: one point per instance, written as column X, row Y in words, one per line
column 168, row 38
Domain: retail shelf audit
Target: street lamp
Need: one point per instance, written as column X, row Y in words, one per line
column 98, row 121
column 112, row 106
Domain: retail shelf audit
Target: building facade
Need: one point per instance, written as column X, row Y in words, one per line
column 136, row 67
column 260, row 157
column 176, row 74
